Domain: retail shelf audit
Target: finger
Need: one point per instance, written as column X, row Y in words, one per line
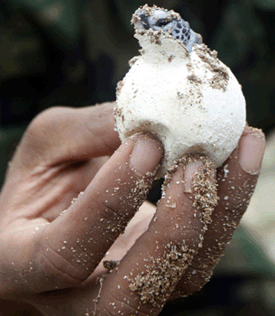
column 71, row 247
column 136, row 227
column 63, row 134
column 81, row 298
column 67, row 184
column 237, row 180
column 150, row 270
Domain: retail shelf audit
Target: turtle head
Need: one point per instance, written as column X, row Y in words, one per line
column 167, row 21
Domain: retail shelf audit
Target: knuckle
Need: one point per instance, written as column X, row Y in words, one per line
column 192, row 281
column 190, row 237
column 115, row 213
column 111, row 211
column 42, row 132
column 59, row 271
column 121, row 303
column 43, row 120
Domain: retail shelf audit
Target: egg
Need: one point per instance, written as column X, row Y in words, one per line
column 178, row 90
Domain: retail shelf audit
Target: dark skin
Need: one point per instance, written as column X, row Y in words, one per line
column 52, row 261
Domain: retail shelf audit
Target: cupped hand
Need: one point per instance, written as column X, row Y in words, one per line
column 64, row 206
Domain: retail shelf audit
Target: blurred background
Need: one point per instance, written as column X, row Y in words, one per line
column 73, row 52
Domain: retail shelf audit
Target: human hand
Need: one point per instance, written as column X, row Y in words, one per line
column 51, row 260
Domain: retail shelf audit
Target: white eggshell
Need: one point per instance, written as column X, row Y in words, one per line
column 191, row 102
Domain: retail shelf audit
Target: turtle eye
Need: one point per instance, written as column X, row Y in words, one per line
column 145, row 21
column 161, row 22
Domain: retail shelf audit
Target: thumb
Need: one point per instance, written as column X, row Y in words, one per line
column 62, row 134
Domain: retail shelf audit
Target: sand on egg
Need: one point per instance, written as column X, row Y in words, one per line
column 179, row 91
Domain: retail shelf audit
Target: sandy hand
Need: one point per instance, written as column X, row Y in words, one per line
column 50, row 247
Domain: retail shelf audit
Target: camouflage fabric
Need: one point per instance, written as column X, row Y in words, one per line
column 73, row 52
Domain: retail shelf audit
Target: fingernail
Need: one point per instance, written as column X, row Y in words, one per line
column 146, row 155
column 189, row 172
column 252, row 145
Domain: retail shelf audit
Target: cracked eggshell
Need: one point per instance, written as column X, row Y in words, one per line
column 191, row 102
